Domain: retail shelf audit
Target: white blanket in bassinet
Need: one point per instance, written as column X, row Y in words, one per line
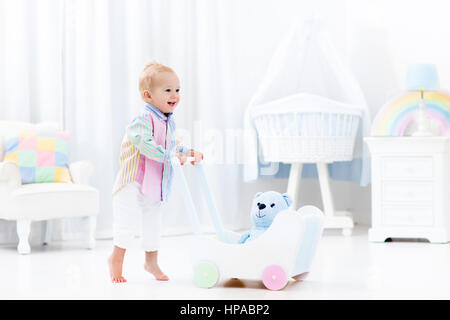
column 307, row 72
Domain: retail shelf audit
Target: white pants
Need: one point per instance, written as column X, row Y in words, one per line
column 135, row 214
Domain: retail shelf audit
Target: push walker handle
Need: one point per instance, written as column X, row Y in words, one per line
column 187, row 197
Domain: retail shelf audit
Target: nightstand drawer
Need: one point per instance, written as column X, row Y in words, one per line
column 407, row 191
column 408, row 216
column 409, row 168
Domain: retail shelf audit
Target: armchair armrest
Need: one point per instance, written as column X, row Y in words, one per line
column 81, row 171
column 10, row 180
column 10, row 175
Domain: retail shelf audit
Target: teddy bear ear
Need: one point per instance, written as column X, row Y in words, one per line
column 288, row 199
column 257, row 195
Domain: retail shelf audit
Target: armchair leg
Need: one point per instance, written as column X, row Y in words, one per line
column 91, row 225
column 23, row 231
column 47, row 232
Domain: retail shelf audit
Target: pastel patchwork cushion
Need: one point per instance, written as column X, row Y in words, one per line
column 41, row 157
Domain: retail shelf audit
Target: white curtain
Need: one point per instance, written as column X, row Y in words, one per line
column 30, row 73
column 30, row 59
column 78, row 61
column 86, row 55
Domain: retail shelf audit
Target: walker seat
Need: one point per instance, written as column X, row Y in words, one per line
column 284, row 251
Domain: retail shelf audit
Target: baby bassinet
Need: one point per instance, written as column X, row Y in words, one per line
column 306, row 128
column 308, row 109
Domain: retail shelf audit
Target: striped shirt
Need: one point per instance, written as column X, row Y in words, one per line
column 145, row 153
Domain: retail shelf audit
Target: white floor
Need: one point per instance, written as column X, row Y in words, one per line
column 343, row 268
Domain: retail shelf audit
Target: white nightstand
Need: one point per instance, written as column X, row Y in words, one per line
column 410, row 188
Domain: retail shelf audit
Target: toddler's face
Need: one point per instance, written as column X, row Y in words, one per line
column 164, row 92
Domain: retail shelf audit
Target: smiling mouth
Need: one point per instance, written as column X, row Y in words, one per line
column 259, row 215
column 172, row 104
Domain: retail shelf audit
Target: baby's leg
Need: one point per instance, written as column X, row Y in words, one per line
column 115, row 262
column 151, row 228
column 151, row 265
column 126, row 212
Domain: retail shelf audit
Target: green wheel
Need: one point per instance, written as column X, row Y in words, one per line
column 206, row 274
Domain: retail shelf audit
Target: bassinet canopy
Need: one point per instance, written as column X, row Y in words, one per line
column 306, row 69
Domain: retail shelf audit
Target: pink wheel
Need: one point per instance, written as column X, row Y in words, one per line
column 274, row 277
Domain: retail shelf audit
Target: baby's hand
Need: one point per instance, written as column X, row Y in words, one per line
column 182, row 157
column 198, row 156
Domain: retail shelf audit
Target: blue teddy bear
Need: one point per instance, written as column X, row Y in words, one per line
column 265, row 207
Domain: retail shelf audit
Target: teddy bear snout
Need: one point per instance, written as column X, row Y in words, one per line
column 261, row 206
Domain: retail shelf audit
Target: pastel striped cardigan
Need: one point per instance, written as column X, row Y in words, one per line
column 144, row 157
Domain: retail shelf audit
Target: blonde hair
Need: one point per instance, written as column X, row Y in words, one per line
column 150, row 70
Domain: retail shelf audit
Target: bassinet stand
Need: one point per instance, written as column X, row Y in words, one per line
column 333, row 219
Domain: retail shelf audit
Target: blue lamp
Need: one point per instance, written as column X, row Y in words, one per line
column 422, row 77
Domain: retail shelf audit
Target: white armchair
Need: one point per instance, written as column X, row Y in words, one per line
column 45, row 201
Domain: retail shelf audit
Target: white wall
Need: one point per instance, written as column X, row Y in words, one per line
column 383, row 38
column 377, row 39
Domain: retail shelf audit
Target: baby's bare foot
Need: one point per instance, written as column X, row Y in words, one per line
column 115, row 270
column 156, row 272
